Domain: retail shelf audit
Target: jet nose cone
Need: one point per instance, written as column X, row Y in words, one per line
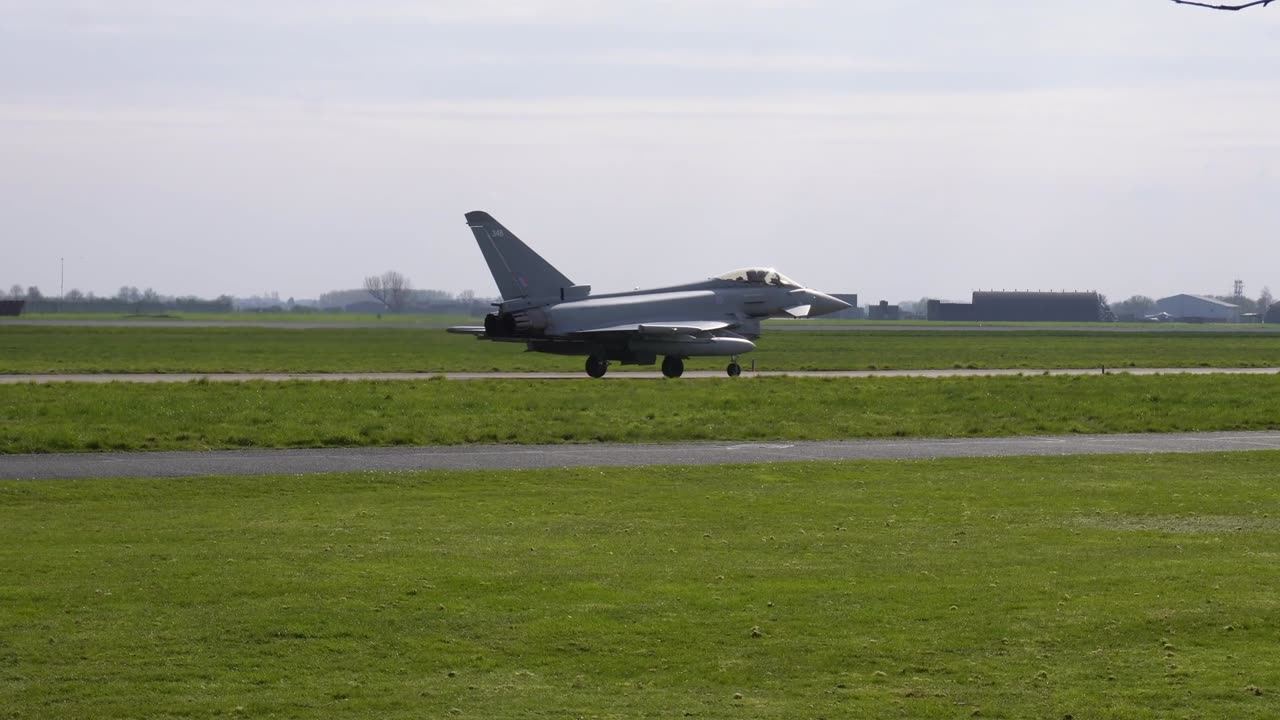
column 824, row 304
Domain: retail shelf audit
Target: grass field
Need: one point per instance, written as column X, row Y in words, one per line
column 70, row 417
column 40, row 349
column 1101, row 587
column 1042, row 324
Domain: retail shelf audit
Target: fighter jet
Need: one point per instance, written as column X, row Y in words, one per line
column 549, row 313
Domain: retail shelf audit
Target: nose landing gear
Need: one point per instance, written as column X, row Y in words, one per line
column 734, row 368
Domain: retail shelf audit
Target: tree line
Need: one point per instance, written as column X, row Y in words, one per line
column 128, row 299
column 390, row 292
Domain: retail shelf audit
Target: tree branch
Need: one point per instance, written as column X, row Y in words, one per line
column 1263, row 3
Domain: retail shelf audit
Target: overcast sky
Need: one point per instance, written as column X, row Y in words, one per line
column 895, row 149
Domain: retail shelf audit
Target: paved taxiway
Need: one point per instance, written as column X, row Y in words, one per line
column 623, row 375
column 522, row 457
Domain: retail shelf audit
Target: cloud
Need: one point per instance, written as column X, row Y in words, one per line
column 337, row 129
column 145, row 15
column 694, row 59
column 205, row 51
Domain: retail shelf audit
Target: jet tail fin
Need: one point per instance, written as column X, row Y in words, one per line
column 518, row 270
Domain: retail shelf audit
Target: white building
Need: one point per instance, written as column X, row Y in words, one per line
column 1197, row 308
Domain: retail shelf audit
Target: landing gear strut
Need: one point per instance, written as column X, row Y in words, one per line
column 597, row 365
column 672, row 366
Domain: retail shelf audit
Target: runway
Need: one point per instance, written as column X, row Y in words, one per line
column 524, row 457
column 17, row 379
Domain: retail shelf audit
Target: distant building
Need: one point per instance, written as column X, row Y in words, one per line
column 11, row 308
column 1197, row 308
column 1025, row 307
column 883, row 311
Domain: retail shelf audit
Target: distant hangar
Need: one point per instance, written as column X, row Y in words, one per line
column 1198, row 308
column 1076, row 307
column 1003, row 306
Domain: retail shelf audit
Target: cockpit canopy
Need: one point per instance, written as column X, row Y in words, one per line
column 759, row 276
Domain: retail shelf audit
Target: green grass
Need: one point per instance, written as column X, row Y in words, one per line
column 1116, row 587
column 71, row 417
column 25, row 349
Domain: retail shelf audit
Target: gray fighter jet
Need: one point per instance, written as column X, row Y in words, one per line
column 548, row 313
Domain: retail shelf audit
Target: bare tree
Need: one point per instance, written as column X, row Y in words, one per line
column 390, row 288
column 1241, row 6
column 373, row 286
column 1265, row 300
column 398, row 287
column 468, row 298
column 15, row 292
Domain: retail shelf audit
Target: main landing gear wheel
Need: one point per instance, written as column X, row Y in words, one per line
column 734, row 369
column 596, row 366
column 672, row 367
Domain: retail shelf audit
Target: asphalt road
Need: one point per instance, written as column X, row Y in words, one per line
column 625, row 375
column 521, row 457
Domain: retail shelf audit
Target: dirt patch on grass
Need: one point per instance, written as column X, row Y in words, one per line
column 1180, row 524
